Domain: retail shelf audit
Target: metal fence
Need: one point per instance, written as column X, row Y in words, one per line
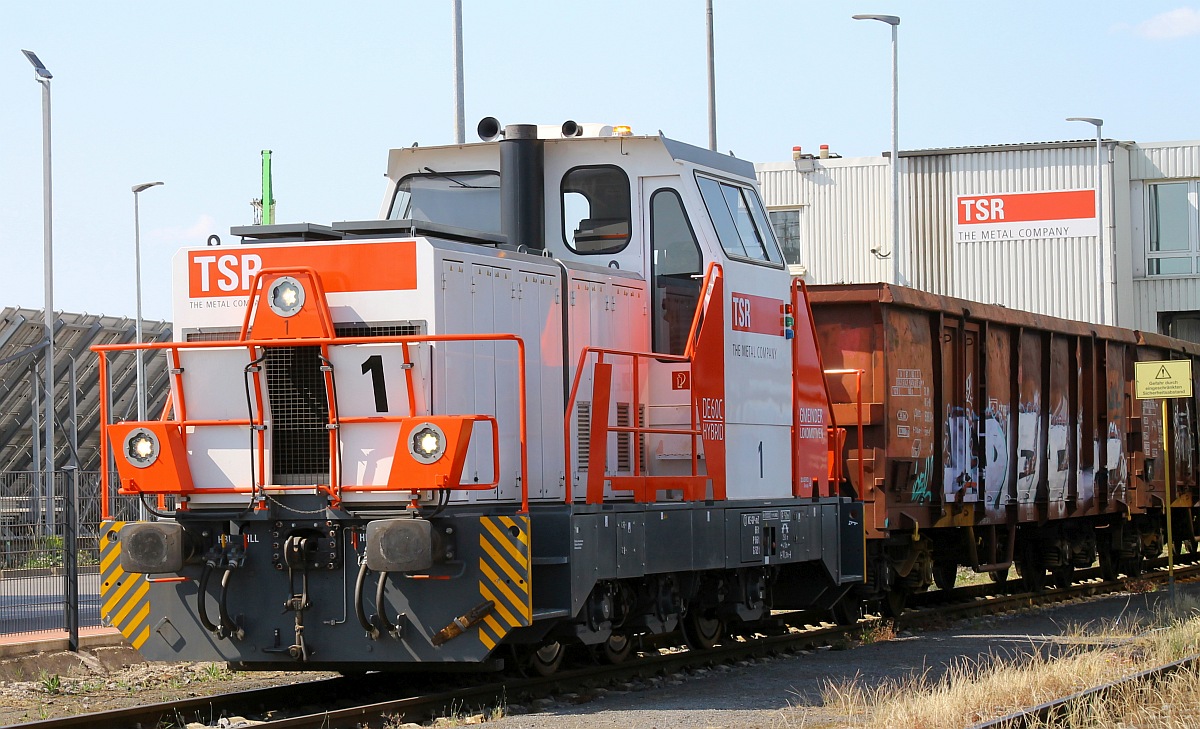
column 37, row 521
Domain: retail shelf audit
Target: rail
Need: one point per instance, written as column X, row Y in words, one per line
column 643, row 487
column 258, row 426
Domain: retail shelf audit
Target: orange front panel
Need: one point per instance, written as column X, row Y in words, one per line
column 409, row 474
column 168, row 474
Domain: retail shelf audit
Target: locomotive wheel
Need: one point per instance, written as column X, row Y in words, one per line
column 700, row 632
column 543, row 660
column 944, row 574
column 846, row 611
column 615, row 650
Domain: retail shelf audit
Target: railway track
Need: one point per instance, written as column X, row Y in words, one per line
column 1047, row 712
column 787, row 633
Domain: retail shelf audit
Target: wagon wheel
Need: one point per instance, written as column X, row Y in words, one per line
column 701, row 632
column 1108, row 565
column 894, row 601
column 998, row 576
column 1132, row 567
column 1031, row 569
column 944, row 574
column 615, row 650
column 1063, row 575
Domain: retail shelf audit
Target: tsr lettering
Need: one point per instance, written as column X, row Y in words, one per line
column 234, row 273
column 982, row 210
column 741, row 312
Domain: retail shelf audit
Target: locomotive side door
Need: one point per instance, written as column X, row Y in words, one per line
column 758, row 398
column 675, row 267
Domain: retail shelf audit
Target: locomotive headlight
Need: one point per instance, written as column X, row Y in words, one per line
column 286, row 297
column 141, row 448
column 427, row 443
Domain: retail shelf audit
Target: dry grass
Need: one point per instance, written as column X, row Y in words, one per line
column 971, row 691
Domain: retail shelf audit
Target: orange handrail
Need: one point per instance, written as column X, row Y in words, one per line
column 334, row 488
column 713, row 272
column 858, row 375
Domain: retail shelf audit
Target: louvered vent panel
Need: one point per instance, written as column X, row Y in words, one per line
column 583, row 432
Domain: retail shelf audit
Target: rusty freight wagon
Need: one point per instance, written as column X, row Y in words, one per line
column 993, row 437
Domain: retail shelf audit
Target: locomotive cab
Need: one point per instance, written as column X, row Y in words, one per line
column 563, row 390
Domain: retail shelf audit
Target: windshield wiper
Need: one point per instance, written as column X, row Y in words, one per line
column 459, row 182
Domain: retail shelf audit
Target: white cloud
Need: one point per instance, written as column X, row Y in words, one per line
column 1177, row 23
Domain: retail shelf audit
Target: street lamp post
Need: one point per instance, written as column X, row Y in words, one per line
column 894, row 21
column 42, row 75
column 712, row 79
column 1099, row 124
column 137, row 265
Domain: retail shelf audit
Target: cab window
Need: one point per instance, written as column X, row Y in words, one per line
column 675, row 269
column 739, row 220
column 464, row 199
column 595, row 209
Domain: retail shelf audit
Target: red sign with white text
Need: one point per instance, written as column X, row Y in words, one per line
column 757, row 314
column 1025, row 215
column 389, row 266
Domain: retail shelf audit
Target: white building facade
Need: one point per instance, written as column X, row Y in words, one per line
column 1014, row 225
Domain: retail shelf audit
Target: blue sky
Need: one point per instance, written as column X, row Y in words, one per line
column 189, row 93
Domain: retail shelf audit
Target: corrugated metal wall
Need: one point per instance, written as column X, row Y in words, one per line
column 844, row 207
column 1164, row 160
column 845, row 203
column 1055, row 276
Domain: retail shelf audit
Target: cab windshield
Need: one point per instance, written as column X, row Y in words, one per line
column 463, row 199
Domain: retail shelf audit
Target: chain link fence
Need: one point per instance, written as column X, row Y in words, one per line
column 34, row 581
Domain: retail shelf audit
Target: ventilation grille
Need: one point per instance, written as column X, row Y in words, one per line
column 299, row 414
column 625, row 440
column 583, row 435
column 399, row 329
column 226, row 335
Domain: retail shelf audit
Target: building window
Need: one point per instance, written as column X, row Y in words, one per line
column 1174, row 242
column 787, row 231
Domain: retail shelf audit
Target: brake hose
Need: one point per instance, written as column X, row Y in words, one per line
column 359, row 610
column 379, row 611
column 201, row 609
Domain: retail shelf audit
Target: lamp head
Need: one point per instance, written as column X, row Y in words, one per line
column 144, row 186
column 1089, row 119
column 38, row 67
column 892, row 20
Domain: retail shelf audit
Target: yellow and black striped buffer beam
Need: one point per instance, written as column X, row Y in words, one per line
column 124, row 596
column 504, row 575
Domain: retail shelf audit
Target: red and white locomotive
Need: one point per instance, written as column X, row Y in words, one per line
column 563, row 390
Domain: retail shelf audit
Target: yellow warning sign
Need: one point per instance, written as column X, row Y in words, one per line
column 1163, row 379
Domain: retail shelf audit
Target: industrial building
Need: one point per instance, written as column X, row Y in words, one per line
column 1008, row 224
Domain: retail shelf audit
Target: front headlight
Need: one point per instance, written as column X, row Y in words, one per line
column 427, row 443
column 141, row 448
column 286, row 296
